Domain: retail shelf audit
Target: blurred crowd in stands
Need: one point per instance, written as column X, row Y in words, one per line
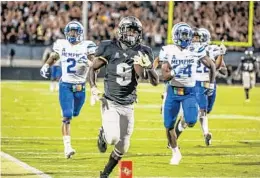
column 43, row 22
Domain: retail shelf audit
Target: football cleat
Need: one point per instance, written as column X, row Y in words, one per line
column 69, row 152
column 176, row 158
column 101, row 143
column 247, row 100
column 208, row 138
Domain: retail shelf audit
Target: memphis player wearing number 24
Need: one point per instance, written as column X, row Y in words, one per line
column 75, row 57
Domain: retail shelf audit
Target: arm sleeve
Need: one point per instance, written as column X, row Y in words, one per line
column 102, row 51
column 57, row 47
column 91, row 48
column 150, row 54
column 163, row 55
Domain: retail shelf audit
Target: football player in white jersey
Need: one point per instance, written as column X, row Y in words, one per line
column 75, row 56
column 201, row 39
column 179, row 70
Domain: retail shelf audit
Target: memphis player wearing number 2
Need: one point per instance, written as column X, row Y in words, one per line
column 179, row 70
column 75, row 56
column 120, row 58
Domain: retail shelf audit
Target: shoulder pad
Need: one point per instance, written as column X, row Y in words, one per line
column 58, row 44
column 106, row 42
column 242, row 58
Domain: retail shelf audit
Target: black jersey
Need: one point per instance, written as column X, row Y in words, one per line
column 248, row 63
column 120, row 80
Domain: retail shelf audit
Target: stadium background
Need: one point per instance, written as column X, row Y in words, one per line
column 28, row 29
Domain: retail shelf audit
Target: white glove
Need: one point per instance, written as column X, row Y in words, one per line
column 94, row 95
column 142, row 60
column 210, row 90
column 222, row 48
column 44, row 70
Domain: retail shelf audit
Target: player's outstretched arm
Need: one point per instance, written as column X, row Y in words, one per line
column 54, row 56
column 96, row 65
column 223, row 69
column 153, row 77
column 219, row 61
column 166, row 71
column 50, row 61
column 210, row 64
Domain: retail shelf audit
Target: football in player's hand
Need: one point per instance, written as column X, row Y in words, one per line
column 139, row 70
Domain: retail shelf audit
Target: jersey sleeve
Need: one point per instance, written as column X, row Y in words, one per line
column 202, row 52
column 102, row 51
column 57, row 47
column 163, row 55
column 91, row 48
column 149, row 52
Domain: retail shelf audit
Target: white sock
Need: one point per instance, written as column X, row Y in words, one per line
column 56, row 86
column 204, row 124
column 66, row 141
column 175, row 150
column 181, row 127
column 52, row 85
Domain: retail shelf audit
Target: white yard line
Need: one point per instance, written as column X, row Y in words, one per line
column 242, row 130
column 139, row 154
column 24, row 165
column 37, row 139
column 159, row 120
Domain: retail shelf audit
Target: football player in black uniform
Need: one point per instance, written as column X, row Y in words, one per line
column 249, row 68
column 120, row 58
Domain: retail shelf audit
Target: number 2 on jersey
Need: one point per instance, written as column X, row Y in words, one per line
column 201, row 68
column 72, row 64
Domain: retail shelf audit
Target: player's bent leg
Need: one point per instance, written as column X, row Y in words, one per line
column 79, row 100
column 110, row 132
column 205, row 128
column 181, row 125
column 171, row 108
column 68, row 150
column 114, row 158
column 66, row 102
column 126, row 130
column 211, row 100
column 190, row 109
column 246, row 84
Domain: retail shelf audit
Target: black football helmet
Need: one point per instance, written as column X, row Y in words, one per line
column 130, row 31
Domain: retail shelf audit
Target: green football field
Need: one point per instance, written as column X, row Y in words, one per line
column 31, row 132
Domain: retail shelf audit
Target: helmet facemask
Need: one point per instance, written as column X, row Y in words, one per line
column 184, row 37
column 74, row 32
column 130, row 31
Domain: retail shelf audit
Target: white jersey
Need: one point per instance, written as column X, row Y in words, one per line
column 186, row 59
column 202, row 70
column 73, row 59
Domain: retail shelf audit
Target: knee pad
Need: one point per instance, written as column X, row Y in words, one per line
column 112, row 140
column 67, row 114
column 191, row 124
column 75, row 114
column 66, row 121
column 122, row 148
